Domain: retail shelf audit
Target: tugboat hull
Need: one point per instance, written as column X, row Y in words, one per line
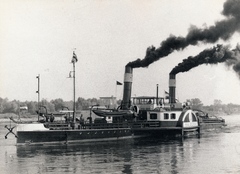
column 38, row 134
column 71, row 136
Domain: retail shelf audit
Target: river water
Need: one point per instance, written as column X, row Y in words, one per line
column 216, row 151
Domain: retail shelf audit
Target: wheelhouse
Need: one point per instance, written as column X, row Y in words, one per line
column 154, row 112
column 186, row 118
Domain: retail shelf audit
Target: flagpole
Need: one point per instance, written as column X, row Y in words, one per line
column 74, row 100
column 117, row 83
column 116, row 91
column 38, row 91
column 74, row 60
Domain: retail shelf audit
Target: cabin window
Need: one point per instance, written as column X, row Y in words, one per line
column 153, row 116
column 194, row 117
column 109, row 117
column 187, row 118
column 166, row 116
column 173, row 116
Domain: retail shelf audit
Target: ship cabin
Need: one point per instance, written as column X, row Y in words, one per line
column 153, row 112
column 147, row 102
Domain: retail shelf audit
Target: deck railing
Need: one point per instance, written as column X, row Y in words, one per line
column 104, row 125
column 145, row 123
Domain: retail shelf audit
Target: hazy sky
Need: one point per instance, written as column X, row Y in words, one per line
column 39, row 36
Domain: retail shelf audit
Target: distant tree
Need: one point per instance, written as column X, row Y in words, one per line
column 10, row 107
column 85, row 104
column 217, row 105
column 68, row 104
column 58, row 104
column 2, row 104
column 94, row 101
column 79, row 103
column 32, row 107
column 232, row 108
column 208, row 108
column 50, row 107
column 196, row 103
column 217, row 102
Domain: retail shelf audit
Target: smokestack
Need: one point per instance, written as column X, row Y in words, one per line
column 172, row 88
column 127, row 88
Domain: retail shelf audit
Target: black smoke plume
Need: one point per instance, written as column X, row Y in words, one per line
column 215, row 55
column 223, row 29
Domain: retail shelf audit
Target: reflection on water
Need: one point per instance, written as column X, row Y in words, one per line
column 115, row 157
column 127, row 156
column 217, row 151
column 75, row 158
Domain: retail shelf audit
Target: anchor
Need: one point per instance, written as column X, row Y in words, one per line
column 10, row 129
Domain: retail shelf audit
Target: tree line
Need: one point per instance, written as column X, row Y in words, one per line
column 55, row 105
column 216, row 108
column 13, row 106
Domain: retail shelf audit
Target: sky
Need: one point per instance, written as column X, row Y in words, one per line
column 38, row 37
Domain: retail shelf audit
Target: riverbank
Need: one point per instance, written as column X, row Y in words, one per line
column 6, row 117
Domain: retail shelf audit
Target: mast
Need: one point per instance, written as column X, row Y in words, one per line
column 74, row 95
column 38, row 91
column 74, row 60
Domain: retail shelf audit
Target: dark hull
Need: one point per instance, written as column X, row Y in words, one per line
column 71, row 136
column 41, row 137
column 160, row 132
column 164, row 129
